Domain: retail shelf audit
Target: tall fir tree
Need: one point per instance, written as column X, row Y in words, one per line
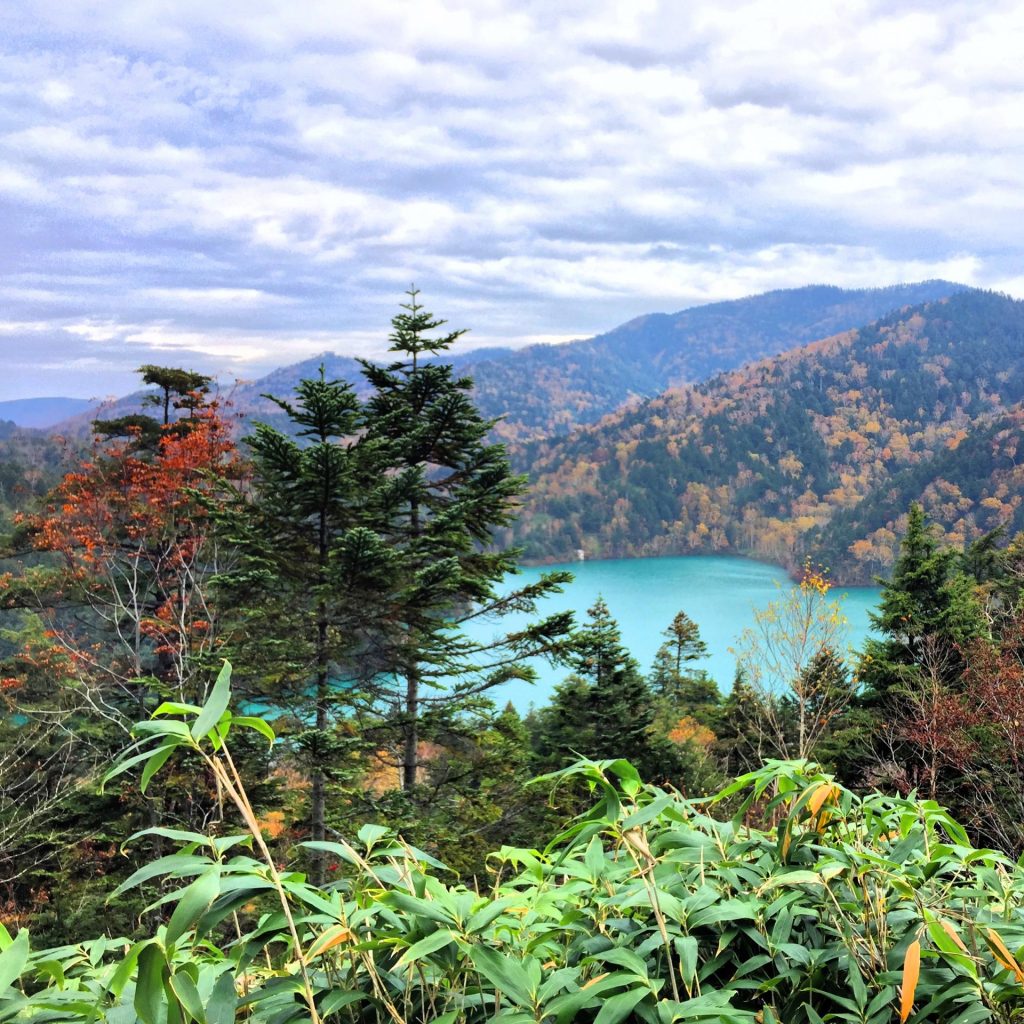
column 310, row 577
column 928, row 608
column 444, row 489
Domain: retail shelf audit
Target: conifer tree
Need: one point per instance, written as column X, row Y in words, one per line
column 443, row 491
column 927, row 607
column 311, row 576
column 605, row 709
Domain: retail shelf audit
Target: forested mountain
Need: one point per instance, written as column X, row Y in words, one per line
column 818, row 451
column 547, row 390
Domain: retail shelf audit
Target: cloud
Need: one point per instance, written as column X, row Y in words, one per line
column 178, row 181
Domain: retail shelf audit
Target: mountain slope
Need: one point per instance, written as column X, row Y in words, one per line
column 546, row 390
column 40, row 413
column 820, row 449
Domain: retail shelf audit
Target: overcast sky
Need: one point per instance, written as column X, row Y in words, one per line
column 235, row 186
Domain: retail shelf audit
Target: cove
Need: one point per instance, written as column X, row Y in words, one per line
column 719, row 592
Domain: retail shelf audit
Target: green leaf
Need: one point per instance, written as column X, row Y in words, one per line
column 618, row 1008
column 430, row 944
column 173, row 708
column 150, row 998
column 687, row 948
column 503, row 973
column 258, row 724
column 184, row 989
column 727, row 910
column 126, row 765
column 370, row 834
column 125, row 969
column 216, row 704
column 174, row 865
column 223, row 1001
column 155, row 763
column 13, row 960
column 194, row 902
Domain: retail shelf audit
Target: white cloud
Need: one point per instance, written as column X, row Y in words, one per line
column 178, row 176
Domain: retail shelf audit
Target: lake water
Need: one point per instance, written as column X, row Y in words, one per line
column 719, row 593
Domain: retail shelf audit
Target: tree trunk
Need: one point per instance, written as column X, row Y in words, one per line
column 410, row 753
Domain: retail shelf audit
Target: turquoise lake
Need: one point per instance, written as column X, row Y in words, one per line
column 719, row 593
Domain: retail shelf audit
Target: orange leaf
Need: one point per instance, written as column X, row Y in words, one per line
column 911, row 972
column 820, row 795
column 953, row 934
column 1002, row 954
column 334, row 935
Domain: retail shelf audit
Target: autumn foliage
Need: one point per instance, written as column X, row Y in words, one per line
column 132, row 533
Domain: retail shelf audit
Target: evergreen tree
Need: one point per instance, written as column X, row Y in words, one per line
column 310, row 576
column 684, row 641
column 683, row 689
column 443, row 490
column 605, row 709
column 927, row 608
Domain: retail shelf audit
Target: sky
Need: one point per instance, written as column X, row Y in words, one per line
column 233, row 187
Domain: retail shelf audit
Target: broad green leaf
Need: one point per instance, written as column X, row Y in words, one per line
column 184, row 989
column 194, row 902
column 13, row 960
column 155, row 763
column 216, row 704
column 430, row 944
column 223, row 1001
column 503, row 973
column 617, row 1008
column 687, row 948
column 257, row 724
column 150, row 998
column 174, row 865
column 370, row 834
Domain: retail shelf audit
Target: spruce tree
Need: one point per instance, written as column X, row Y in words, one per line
column 928, row 603
column 605, row 709
column 310, row 576
column 443, row 490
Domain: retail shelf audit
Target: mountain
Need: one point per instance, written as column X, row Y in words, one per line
column 817, row 452
column 546, row 390
column 40, row 413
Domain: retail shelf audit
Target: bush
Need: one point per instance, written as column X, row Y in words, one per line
column 648, row 908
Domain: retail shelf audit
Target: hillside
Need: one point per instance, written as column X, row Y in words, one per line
column 818, row 451
column 40, row 413
column 547, row 390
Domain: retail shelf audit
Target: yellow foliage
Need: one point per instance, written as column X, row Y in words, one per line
column 689, row 730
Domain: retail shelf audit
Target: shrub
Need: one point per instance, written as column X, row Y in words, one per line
column 648, row 908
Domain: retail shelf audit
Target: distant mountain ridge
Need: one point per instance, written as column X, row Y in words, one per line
column 818, row 451
column 40, row 413
column 546, row 390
